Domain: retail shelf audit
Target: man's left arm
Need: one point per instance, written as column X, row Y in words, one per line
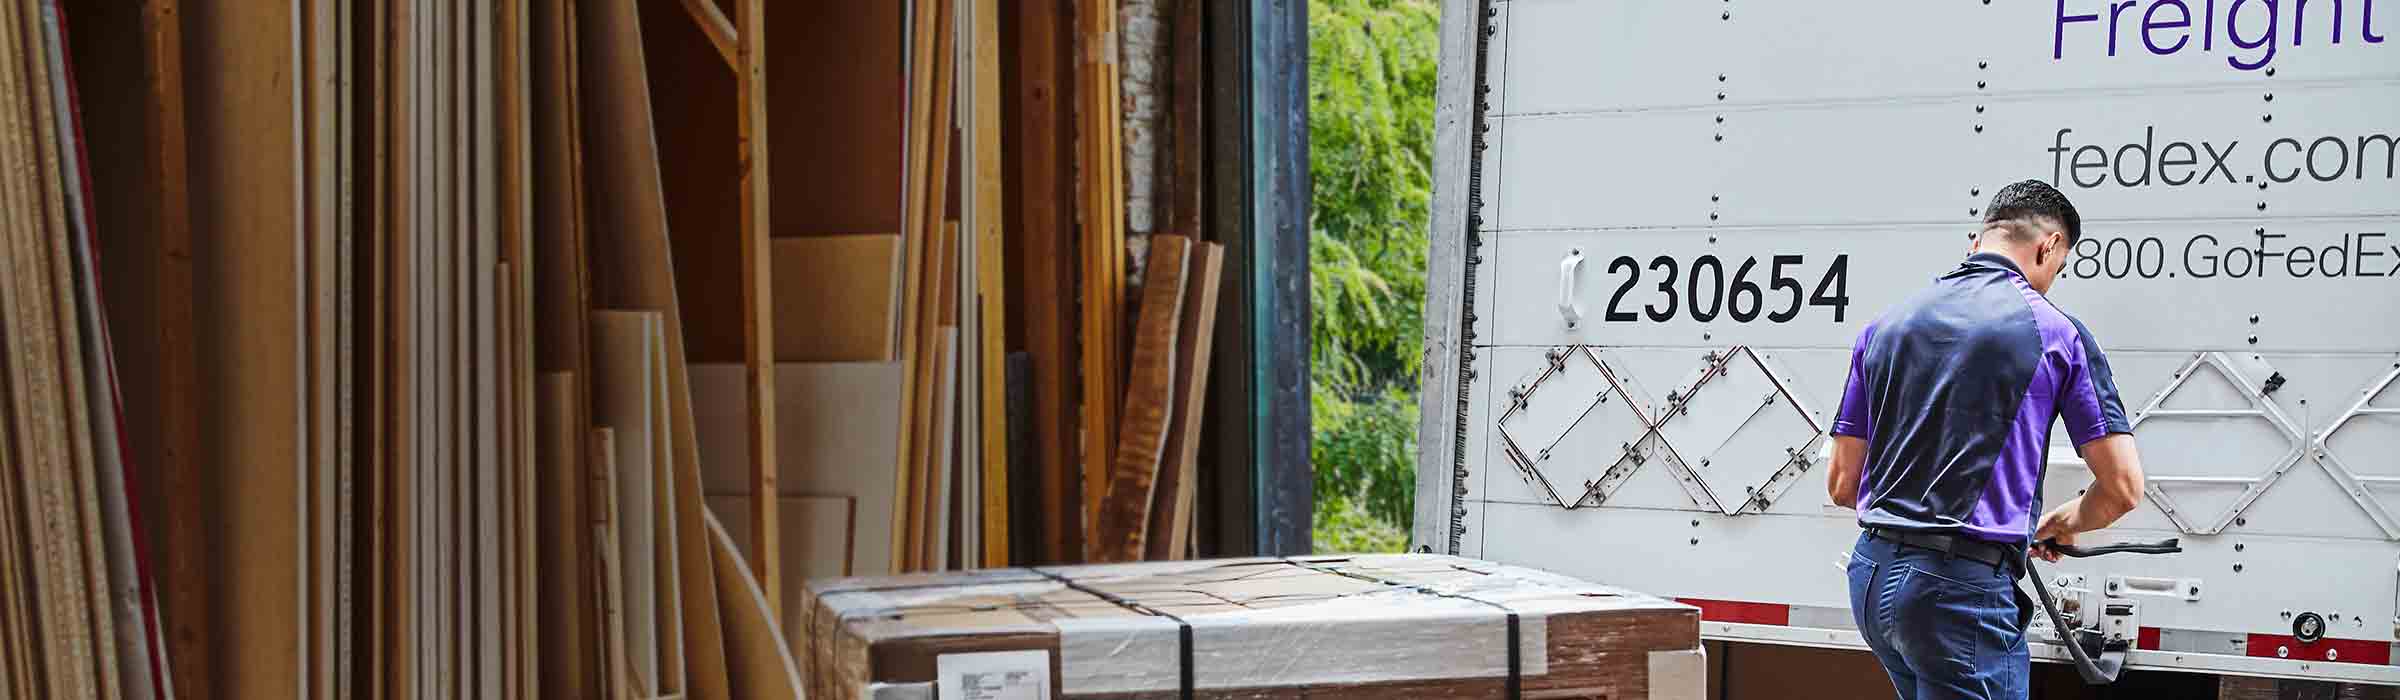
column 1852, row 423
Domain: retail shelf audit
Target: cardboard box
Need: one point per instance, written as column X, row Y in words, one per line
column 1365, row 626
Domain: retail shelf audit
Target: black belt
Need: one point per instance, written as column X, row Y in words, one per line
column 1993, row 553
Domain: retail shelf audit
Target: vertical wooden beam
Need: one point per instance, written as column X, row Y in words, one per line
column 1149, row 401
column 1041, row 97
column 185, row 599
column 913, row 231
column 1103, row 244
column 758, row 322
column 991, row 262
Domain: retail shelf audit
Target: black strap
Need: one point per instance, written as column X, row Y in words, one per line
column 2166, row 546
column 1183, row 630
column 1515, row 689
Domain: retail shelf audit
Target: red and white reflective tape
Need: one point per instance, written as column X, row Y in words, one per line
column 2268, row 646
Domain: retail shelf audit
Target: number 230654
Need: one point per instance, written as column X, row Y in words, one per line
column 1703, row 290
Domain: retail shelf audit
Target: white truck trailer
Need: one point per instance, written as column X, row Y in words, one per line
column 1659, row 224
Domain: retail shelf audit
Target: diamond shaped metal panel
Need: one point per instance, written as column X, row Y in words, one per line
column 2357, row 486
column 2252, row 375
column 1572, row 425
column 1737, row 435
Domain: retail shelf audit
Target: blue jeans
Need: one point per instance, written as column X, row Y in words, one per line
column 1944, row 627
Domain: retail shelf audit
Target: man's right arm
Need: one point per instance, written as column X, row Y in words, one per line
column 2096, row 421
column 2116, row 489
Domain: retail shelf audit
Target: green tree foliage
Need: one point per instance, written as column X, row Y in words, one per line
column 1372, row 66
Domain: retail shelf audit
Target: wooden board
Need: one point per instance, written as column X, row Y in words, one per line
column 1041, row 222
column 700, row 634
column 244, row 195
column 918, row 257
column 609, row 573
column 1149, row 398
column 1101, row 213
column 839, row 424
column 565, row 633
column 631, row 255
column 623, row 401
column 762, row 663
column 1176, row 494
column 758, row 275
column 844, row 288
column 935, row 505
column 989, row 273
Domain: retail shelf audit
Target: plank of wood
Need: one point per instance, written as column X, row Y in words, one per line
column 990, row 275
column 563, row 624
column 622, row 401
column 933, row 547
column 927, row 200
column 631, row 254
column 245, row 197
column 570, row 658
column 762, row 663
column 675, row 645
column 758, row 278
column 839, row 426
column 607, row 529
column 813, row 274
column 1103, row 244
column 1170, row 525
column 1149, row 397
column 1040, row 152
column 720, row 30
column 701, row 632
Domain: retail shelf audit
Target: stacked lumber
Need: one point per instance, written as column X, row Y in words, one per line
column 78, row 617
column 1414, row 626
column 548, row 348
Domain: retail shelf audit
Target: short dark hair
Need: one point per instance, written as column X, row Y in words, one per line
column 2019, row 204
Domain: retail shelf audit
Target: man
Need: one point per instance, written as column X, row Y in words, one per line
column 1941, row 442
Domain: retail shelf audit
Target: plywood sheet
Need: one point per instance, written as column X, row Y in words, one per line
column 839, row 426
column 564, row 621
column 837, row 297
column 762, row 665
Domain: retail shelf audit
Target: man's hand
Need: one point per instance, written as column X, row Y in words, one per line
column 2058, row 525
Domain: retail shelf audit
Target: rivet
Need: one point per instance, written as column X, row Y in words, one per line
column 1703, row 336
column 1720, row 97
column 1979, row 84
column 2270, row 72
column 1980, row 65
column 2262, row 187
column 2253, row 318
column 2262, row 206
column 2283, row 652
column 1720, row 119
column 1720, row 77
column 1720, row 138
column 1727, row 16
column 2254, row 340
column 1979, row 128
column 2237, row 546
column 2270, row 97
column 1712, row 239
column 2266, row 117
column 1695, row 540
column 1713, row 198
column 1695, row 522
column 1974, row 212
column 2237, row 568
column 1978, row 109
column 1712, row 216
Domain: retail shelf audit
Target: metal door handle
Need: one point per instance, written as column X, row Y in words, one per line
column 1567, row 308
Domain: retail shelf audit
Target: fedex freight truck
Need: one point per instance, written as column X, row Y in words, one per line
column 1660, row 224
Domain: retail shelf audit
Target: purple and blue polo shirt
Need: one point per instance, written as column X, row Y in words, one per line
column 1955, row 391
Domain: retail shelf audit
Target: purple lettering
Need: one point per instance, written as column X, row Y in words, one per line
column 2058, row 35
column 2233, row 31
column 2151, row 25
